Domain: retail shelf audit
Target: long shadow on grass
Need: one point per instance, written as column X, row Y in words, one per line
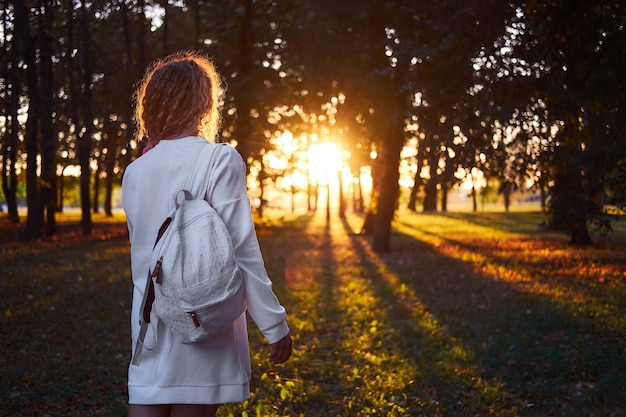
column 66, row 353
column 446, row 382
column 554, row 272
column 549, row 362
column 302, row 254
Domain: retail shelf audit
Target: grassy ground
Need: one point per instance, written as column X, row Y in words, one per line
column 469, row 315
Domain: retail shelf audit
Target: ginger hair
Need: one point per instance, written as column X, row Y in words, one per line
column 178, row 96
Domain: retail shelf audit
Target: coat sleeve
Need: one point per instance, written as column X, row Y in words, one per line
column 227, row 193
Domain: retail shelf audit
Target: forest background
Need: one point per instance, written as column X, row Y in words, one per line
column 506, row 95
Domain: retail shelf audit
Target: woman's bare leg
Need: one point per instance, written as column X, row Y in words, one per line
column 193, row 410
column 161, row 410
column 177, row 410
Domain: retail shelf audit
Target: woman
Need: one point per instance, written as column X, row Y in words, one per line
column 177, row 109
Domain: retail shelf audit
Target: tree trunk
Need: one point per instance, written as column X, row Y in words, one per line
column 244, row 101
column 381, row 237
column 357, row 201
column 430, row 190
column 417, row 183
column 109, row 168
column 328, row 201
column 141, row 42
column 128, row 79
column 506, row 194
column 34, row 220
column 261, row 180
column 309, row 195
column 474, row 200
column 444, row 196
column 446, row 183
column 9, row 150
column 96, row 191
column 84, row 140
column 84, row 150
column 430, row 194
column 543, row 196
column 108, row 200
column 61, row 190
column 342, row 200
column 48, row 137
column 372, row 210
column 360, row 203
column 579, row 234
column 568, row 206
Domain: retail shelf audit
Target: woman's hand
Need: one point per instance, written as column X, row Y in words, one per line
column 281, row 350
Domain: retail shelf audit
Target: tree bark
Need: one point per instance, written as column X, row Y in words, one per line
column 342, row 199
column 430, row 190
column 115, row 145
column 61, row 190
column 474, row 200
column 430, row 197
column 446, row 183
column 381, row 236
column 357, row 195
column 372, row 210
column 96, row 190
column 48, row 139
column 569, row 203
column 141, row 42
column 506, row 194
column 417, row 183
column 84, row 140
column 128, row 79
column 244, row 133
column 9, row 150
column 261, row 180
column 34, row 219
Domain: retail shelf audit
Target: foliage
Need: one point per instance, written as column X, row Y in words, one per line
column 576, row 51
column 473, row 314
column 527, row 91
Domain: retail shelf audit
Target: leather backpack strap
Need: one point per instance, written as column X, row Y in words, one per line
column 147, row 301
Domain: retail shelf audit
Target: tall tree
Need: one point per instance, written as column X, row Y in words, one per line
column 34, row 220
column 48, row 136
column 85, row 137
column 12, row 89
column 450, row 37
column 577, row 50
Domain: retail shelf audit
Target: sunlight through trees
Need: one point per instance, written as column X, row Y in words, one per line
column 377, row 105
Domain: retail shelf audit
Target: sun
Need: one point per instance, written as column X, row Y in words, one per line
column 324, row 160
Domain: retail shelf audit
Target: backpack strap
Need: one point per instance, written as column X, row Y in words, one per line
column 146, row 303
column 204, row 183
column 148, row 295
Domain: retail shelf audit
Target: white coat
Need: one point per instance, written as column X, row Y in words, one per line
column 216, row 370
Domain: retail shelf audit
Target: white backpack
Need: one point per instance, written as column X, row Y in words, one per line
column 194, row 284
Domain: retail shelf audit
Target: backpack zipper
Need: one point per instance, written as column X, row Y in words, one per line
column 194, row 317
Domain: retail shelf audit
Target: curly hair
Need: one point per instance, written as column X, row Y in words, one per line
column 179, row 95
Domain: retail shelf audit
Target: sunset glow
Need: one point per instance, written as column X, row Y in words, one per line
column 324, row 160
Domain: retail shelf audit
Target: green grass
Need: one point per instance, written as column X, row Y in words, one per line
column 469, row 315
